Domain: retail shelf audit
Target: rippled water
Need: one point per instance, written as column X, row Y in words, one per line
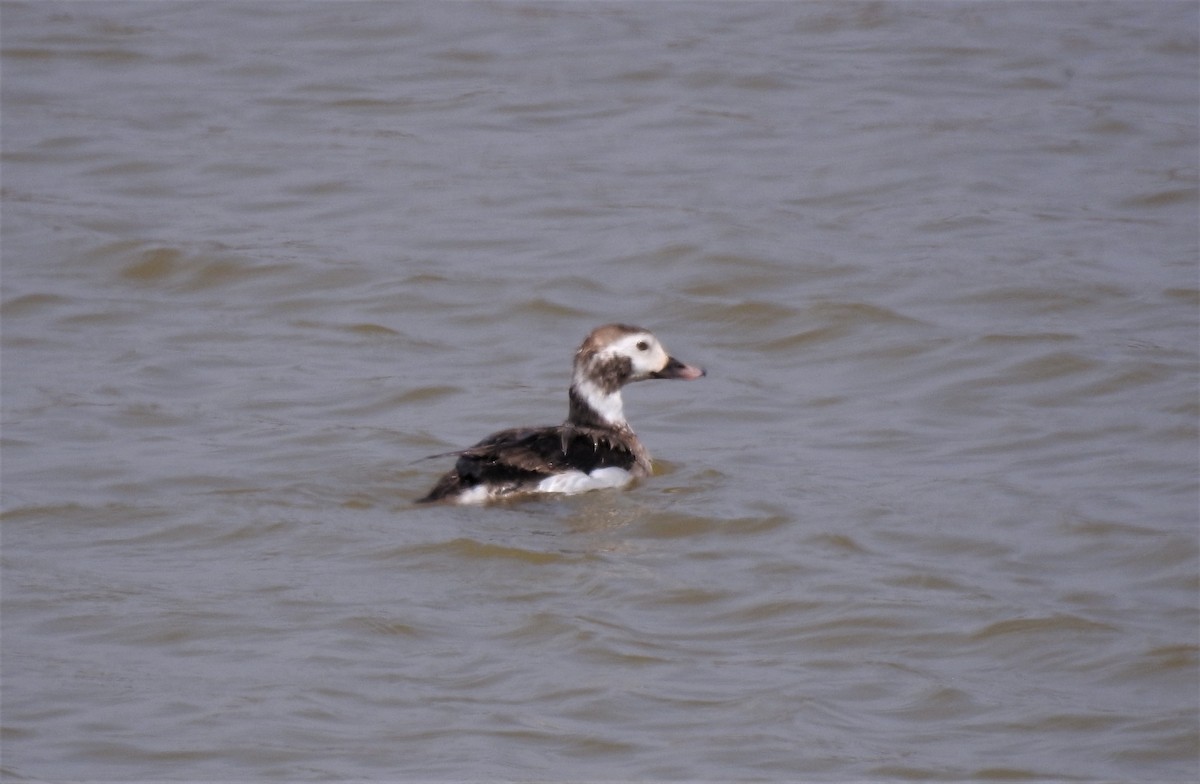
column 932, row 515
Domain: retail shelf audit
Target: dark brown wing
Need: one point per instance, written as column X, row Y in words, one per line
column 521, row 457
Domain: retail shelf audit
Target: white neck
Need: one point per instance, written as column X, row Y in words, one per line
column 607, row 406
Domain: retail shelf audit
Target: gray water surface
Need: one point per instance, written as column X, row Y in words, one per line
column 932, row 515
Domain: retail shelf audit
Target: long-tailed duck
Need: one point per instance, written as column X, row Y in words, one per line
column 595, row 448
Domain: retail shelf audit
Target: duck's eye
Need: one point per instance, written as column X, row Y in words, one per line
column 642, row 345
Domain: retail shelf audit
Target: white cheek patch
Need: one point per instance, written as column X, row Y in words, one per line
column 652, row 360
column 571, row 482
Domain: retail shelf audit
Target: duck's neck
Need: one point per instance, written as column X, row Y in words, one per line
column 591, row 406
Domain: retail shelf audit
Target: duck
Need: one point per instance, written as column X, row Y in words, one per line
column 593, row 449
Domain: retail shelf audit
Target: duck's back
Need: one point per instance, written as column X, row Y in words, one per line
column 567, row 458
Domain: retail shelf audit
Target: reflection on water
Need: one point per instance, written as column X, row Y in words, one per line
column 933, row 514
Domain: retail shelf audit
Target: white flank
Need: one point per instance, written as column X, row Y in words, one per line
column 476, row 495
column 571, row 482
column 567, row 483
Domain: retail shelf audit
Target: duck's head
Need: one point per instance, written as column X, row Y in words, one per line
column 618, row 354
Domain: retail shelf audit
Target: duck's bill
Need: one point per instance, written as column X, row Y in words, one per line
column 676, row 369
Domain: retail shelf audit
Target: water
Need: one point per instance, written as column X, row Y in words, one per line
column 932, row 515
